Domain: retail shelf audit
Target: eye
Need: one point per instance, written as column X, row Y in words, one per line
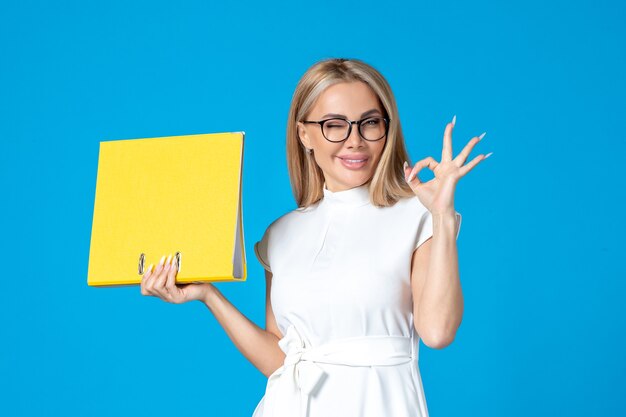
column 336, row 123
column 373, row 122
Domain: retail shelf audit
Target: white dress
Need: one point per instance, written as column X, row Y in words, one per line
column 342, row 299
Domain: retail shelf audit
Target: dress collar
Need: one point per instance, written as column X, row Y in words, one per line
column 355, row 197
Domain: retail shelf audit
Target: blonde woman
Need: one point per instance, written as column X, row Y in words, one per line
column 364, row 268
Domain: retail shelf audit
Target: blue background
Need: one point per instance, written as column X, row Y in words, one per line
column 540, row 249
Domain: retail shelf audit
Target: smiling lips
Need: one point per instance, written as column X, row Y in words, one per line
column 354, row 161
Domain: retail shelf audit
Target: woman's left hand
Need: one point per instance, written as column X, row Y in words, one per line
column 438, row 194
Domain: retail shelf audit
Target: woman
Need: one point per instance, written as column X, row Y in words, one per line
column 361, row 270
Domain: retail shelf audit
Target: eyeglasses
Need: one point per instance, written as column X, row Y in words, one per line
column 338, row 130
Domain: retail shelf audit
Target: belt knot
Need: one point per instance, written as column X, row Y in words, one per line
column 306, row 373
column 291, row 385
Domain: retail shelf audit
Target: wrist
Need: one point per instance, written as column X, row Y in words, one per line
column 209, row 295
column 444, row 221
column 447, row 214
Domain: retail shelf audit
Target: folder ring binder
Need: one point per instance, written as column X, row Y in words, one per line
column 142, row 258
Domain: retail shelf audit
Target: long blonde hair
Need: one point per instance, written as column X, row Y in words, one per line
column 387, row 185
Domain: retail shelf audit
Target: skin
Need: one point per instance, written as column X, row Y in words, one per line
column 435, row 283
column 351, row 100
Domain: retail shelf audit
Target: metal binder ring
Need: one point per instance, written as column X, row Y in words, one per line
column 142, row 259
column 177, row 256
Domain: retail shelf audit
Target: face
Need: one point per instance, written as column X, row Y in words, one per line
column 352, row 101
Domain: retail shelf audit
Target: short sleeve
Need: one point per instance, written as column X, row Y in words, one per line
column 425, row 228
column 261, row 250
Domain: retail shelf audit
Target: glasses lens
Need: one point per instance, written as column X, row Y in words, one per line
column 373, row 128
column 336, row 130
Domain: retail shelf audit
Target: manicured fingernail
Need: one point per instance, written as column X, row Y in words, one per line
column 149, row 269
column 482, row 135
column 487, row 156
column 169, row 258
column 454, row 120
column 161, row 261
column 405, row 165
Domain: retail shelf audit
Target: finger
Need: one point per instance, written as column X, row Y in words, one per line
column 426, row 162
column 144, row 279
column 406, row 169
column 150, row 281
column 446, row 153
column 170, row 283
column 159, row 284
column 471, row 164
column 467, row 149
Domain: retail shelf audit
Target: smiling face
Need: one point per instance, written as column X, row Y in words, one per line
column 351, row 101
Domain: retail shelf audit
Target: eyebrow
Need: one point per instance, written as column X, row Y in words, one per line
column 367, row 113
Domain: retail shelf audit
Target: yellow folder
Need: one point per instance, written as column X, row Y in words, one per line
column 178, row 195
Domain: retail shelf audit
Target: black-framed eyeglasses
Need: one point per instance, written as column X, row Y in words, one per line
column 338, row 130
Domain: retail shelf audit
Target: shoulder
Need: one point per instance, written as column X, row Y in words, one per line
column 291, row 220
column 282, row 233
column 413, row 213
column 410, row 207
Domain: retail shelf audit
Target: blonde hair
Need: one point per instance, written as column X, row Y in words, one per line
column 387, row 184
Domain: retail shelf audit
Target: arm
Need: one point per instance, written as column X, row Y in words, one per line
column 259, row 346
column 436, row 286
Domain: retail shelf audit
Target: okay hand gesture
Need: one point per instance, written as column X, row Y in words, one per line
column 437, row 195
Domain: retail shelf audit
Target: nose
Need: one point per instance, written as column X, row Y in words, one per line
column 354, row 138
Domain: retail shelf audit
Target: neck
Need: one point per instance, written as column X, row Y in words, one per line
column 355, row 196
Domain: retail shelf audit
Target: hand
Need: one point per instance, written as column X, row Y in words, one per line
column 437, row 195
column 162, row 283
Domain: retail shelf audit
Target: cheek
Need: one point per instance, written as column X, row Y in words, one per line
column 325, row 153
column 379, row 152
column 325, row 159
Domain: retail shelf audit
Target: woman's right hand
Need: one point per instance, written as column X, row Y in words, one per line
column 161, row 282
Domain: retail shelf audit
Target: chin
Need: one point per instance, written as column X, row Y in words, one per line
column 355, row 181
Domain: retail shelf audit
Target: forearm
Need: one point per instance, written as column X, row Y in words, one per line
column 259, row 346
column 441, row 303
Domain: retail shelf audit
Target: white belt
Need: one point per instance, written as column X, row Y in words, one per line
column 289, row 387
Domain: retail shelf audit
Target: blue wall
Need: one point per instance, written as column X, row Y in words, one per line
column 540, row 247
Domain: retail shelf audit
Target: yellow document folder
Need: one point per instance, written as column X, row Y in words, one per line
column 178, row 195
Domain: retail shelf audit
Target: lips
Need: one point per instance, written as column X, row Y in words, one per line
column 356, row 163
column 354, row 157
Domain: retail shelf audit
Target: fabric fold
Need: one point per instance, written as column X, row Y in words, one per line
column 289, row 388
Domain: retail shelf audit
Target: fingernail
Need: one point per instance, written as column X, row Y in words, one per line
column 482, row 135
column 487, row 156
column 454, row 120
column 405, row 165
column 169, row 258
column 149, row 269
column 161, row 261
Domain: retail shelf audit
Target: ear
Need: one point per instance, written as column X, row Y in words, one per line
column 303, row 136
